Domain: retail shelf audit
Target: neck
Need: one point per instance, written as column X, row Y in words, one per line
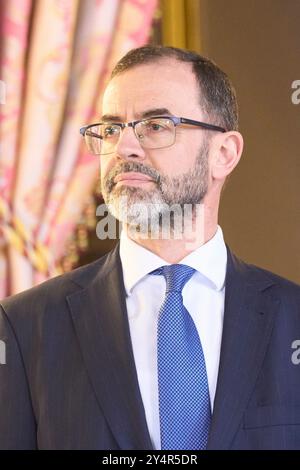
column 173, row 250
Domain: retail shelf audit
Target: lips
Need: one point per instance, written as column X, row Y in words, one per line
column 132, row 176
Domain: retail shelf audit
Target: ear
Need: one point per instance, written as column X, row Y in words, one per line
column 227, row 151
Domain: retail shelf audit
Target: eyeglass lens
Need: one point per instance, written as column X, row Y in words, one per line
column 152, row 133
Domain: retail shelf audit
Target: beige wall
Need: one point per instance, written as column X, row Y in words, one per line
column 257, row 42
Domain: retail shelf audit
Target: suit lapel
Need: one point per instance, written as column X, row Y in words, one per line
column 248, row 319
column 100, row 318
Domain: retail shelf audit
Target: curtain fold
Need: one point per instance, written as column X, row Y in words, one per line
column 14, row 44
column 55, row 60
column 181, row 23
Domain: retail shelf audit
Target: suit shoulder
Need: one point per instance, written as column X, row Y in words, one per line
column 54, row 290
column 257, row 274
column 284, row 282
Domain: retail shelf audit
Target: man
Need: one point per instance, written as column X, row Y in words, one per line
column 168, row 341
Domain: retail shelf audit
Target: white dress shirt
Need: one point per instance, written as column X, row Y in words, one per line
column 203, row 297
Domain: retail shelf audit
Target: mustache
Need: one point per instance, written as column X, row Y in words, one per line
column 127, row 167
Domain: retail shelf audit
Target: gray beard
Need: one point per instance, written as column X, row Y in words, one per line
column 139, row 208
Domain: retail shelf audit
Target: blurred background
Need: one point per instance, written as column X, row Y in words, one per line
column 55, row 59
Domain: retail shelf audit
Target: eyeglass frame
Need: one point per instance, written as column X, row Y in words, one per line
column 176, row 121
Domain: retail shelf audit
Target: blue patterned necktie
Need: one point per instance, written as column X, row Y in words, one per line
column 184, row 403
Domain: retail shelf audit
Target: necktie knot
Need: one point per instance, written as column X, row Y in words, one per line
column 176, row 276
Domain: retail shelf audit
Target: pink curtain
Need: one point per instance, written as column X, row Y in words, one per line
column 55, row 59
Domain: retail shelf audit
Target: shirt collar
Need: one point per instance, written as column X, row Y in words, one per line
column 209, row 260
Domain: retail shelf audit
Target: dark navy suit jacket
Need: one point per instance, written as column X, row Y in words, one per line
column 70, row 381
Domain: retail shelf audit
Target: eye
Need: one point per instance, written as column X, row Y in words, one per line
column 110, row 131
column 156, row 126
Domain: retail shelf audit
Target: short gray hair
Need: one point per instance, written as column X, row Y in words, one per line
column 218, row 97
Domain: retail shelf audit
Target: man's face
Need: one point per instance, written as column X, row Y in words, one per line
column 172, row 175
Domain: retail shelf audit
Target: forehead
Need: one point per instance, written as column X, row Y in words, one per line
column 166, row 84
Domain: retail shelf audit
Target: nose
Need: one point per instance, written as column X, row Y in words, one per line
column 128, row 146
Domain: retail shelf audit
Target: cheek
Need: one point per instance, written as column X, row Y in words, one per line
column 106, row 165
column 178, row 159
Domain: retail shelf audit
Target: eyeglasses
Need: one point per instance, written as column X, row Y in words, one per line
column 153, row 133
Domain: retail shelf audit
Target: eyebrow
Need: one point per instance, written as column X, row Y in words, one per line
column 145, row 114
